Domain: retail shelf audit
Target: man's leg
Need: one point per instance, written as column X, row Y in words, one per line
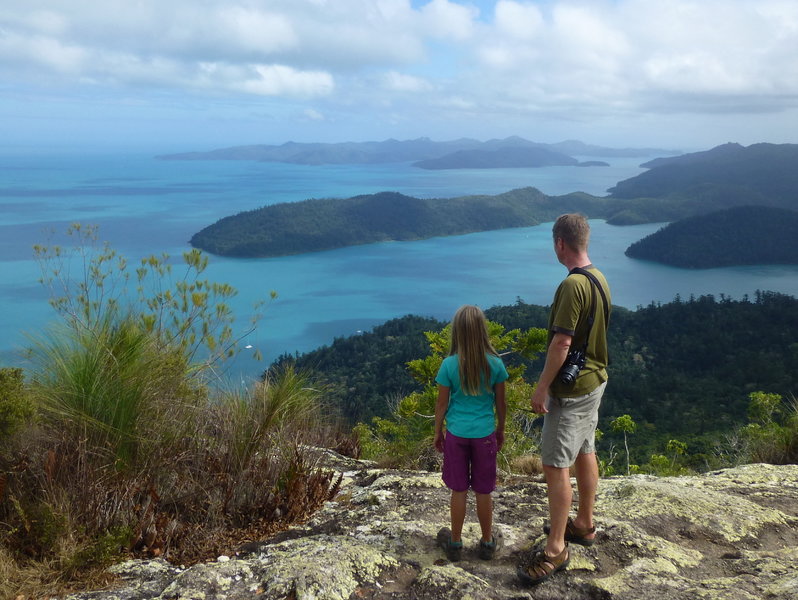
column 558, row 484
column 587, row 484
column 586, row 465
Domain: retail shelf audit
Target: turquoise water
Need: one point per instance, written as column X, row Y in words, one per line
column 145, row 206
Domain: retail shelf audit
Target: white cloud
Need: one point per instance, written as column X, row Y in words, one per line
column 313, row 115
column 519, row 21
column 255, row 30
column 30, row 54
column 400, row 82
column 46, row 22
column 616, row 56
column 441, row 60
column 445, row 19
column 279, row 80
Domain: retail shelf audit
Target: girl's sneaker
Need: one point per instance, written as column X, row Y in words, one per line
column 487, row 549
column 453, row 550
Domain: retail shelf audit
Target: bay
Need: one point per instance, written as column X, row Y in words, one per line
column 147, row 206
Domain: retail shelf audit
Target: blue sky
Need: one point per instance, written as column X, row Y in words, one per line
column 190, row 74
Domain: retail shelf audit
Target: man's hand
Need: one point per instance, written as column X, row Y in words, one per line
column 540, row 400
column 555, row 357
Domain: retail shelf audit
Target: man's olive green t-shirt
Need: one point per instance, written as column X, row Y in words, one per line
column 569, row 315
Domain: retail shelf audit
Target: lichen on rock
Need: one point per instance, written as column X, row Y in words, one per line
column 323, row 567
column 450, row 582
column 725, row 535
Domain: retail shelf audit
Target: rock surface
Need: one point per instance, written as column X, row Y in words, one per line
column 730, row 535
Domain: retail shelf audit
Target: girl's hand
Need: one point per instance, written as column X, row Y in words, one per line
column 499, row 439
column 439, row 437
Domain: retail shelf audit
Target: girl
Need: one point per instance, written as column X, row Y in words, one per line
column 471, row 401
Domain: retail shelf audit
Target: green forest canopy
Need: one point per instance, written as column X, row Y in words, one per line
column 743, row 235
column 682, row 370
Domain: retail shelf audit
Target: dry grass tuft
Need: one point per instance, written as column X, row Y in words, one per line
column 212, row 473
column 529, row 464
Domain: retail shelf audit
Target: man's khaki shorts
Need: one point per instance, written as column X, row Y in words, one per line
column 569, row 428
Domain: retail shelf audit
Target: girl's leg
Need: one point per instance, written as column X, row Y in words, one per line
column 485, row 516
column 483, row 478
column 456, row 461
column 457, row 509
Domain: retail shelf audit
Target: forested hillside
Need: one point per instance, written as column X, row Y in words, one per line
column 760, row 171
column 674, row 188
column 746, row 235
column 682, row 370
column 324, row 224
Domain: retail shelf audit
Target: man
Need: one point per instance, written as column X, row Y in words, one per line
column 571, row 410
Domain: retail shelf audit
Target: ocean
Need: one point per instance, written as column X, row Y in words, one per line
column 143, row 206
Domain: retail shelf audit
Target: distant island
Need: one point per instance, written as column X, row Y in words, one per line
column 325, row 224
column 743, row 235
column 726, row 175
column 674, row 188
column 506, row 158
column 512, row 149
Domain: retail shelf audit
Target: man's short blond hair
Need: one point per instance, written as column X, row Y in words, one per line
column 573, row 229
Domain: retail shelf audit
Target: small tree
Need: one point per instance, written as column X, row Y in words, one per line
column 763, row 408
column 772, row 434
column 90, row 282
column 662, row 464
column 626, row 425
column 676, row 449
column 405, row 437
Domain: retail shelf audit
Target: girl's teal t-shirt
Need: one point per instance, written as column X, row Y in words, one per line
column 470, row 416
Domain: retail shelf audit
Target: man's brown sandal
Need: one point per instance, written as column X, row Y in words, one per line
column 574, row 534
column 543, row 566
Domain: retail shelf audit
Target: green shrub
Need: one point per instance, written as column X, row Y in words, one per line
column 405, row 438
column 101, row 551
column 770, row 437
column 670, row 464
column 114, row 385
column 16, row 407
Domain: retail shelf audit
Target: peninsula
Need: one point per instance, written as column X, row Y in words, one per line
column 743, row 235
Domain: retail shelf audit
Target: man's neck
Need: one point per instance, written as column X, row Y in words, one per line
column 577, row 260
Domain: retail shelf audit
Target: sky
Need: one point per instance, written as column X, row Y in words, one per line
column 204, row 74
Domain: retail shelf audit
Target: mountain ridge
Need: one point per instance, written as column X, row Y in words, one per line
column 770, row 170
column 392, row 150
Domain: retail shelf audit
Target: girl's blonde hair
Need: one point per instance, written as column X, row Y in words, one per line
column 471, row 343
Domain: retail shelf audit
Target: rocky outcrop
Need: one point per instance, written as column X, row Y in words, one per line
column 730, row 535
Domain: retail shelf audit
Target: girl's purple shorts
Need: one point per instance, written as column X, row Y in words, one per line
column 470, row 463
